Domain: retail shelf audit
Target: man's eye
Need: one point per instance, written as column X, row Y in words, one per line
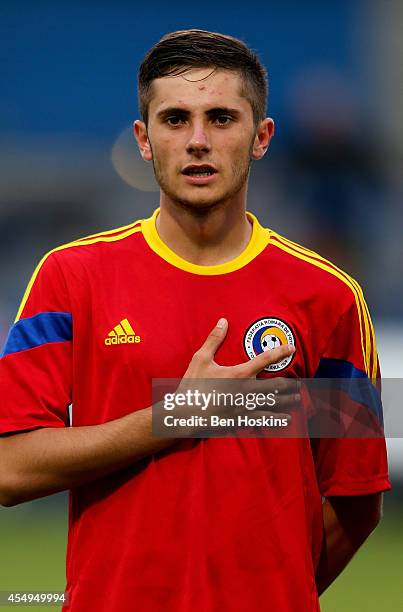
column 174, row 121
column 223, row 120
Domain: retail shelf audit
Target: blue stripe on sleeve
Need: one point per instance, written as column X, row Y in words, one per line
column 40, row 329
column 337, row 368
column 354, row 382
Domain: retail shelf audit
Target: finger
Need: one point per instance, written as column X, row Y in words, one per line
column 213, row 340
column 285, row 402
column 278, row 385
column 273, row 402
column 274, row 387
column 258, row 363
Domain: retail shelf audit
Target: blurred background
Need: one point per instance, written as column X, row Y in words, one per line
column 332, row 181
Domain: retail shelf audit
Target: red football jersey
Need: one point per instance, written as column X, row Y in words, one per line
column 219, row 524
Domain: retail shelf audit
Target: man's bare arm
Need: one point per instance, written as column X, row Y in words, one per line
column 41, row 462
column 348, row 521
column 38, row 463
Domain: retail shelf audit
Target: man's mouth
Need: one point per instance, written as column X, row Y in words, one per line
column 199, row 171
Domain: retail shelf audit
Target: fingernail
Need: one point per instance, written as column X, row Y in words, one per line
column 291, row 349
column 222, row 323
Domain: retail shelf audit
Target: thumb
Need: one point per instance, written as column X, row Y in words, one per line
column 214, row 339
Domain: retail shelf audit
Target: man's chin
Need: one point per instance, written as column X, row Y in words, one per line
column 198, row 202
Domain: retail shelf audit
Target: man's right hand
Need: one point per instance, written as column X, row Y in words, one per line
column 203, row 365
column 203, row 370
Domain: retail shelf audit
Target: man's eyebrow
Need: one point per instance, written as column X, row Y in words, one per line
column 223, row 110
column 172, row 110
column 211, row 112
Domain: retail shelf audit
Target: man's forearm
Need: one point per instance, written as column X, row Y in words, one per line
column 41, row 462
column 348, row 521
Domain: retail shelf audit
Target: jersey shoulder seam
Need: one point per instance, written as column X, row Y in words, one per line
column 368, row 344
column 312, row 257
column 112, row 235
column 108, row 236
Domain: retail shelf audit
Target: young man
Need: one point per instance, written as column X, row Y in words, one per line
column 199, row 290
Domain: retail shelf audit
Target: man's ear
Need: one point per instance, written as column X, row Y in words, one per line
column 140, row 134
column 264, row 134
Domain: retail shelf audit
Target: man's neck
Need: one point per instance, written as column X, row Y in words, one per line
column 206, row 238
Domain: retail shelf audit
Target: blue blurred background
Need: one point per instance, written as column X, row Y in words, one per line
column 332, row 180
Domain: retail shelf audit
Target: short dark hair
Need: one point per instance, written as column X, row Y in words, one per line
column 182, row 50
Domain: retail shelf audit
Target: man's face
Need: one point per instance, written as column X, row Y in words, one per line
column 200, row 136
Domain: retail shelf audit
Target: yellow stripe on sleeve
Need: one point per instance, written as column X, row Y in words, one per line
column 369, row 329
column 366, row 328
column 79, row 242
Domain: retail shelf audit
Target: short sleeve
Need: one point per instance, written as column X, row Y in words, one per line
column 351, row 465
column 36, row 361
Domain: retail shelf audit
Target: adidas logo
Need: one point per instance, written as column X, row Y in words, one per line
column 123, row 333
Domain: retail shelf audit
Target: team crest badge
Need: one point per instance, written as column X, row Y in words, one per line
column 265, row 335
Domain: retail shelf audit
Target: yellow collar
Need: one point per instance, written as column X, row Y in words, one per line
column 260, row 238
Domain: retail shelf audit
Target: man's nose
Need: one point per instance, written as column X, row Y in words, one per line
column 198, row 141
